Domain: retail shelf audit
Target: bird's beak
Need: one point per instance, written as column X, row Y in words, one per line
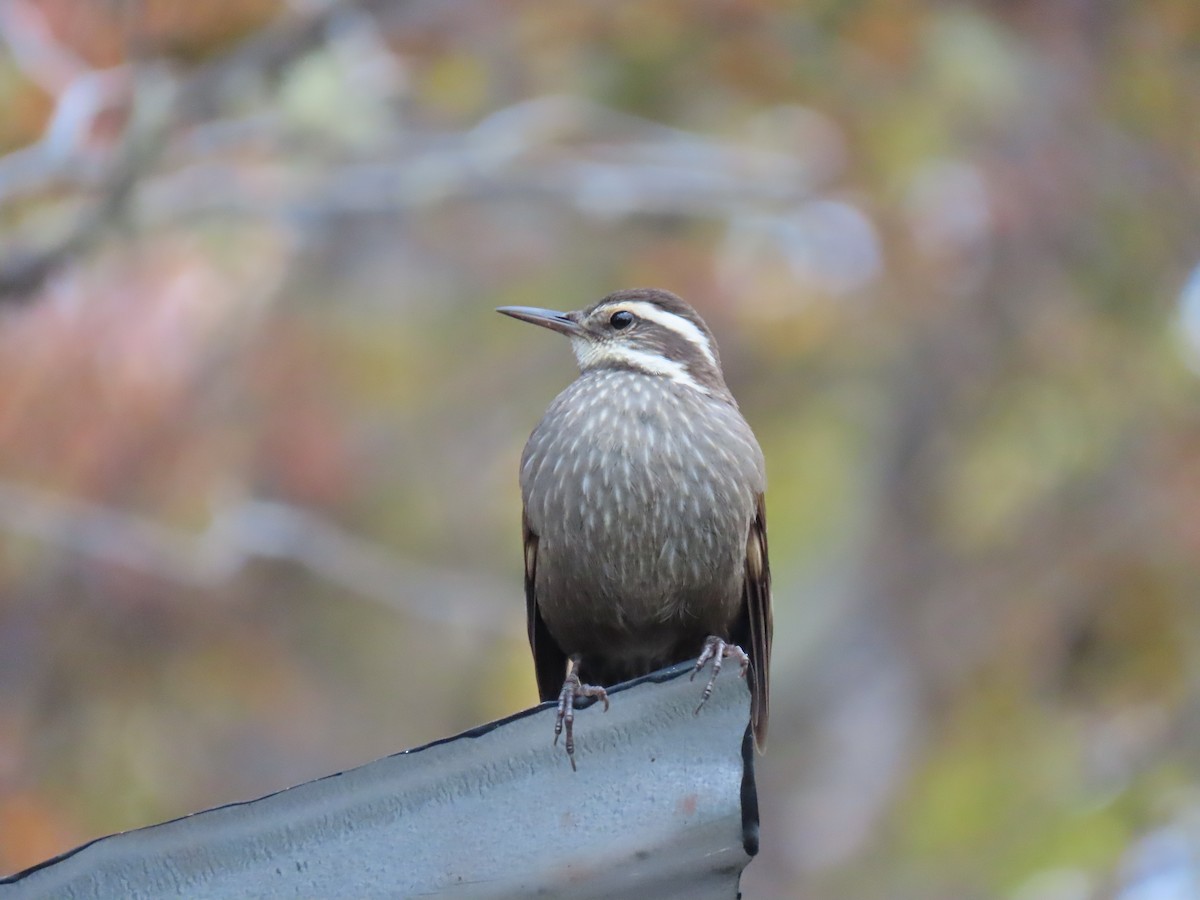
column 563, row 323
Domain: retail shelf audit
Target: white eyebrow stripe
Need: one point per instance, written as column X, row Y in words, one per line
column 676, row 323
column 591, row 355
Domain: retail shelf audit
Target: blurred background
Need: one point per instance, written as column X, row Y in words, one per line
column 259, row 426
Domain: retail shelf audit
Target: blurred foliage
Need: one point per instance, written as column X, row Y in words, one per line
column 259, row 426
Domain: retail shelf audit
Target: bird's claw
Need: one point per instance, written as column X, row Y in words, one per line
column 717, row 649
column 572, row 689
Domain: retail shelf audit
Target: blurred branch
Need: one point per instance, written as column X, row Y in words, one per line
column 243, row 532
column 78, row 101
column 599, row 188
column 600, row 162
column 554, row 150
column 22, row 272
column 44, row 60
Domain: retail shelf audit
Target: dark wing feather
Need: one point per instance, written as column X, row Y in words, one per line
column 549, row 661
column 756, row 600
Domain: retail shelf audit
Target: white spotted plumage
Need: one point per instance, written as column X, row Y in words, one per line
column 633, row 544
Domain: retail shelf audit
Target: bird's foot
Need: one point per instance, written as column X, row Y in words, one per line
column 717, row 649
column 572, row 689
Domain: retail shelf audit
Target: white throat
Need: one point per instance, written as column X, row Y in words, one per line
column 593, row 355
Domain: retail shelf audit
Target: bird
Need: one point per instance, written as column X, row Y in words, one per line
column 643, row 520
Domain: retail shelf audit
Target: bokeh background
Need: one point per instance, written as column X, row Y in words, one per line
column 259, row 425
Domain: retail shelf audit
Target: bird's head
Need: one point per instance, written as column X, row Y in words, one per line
column 643, row 330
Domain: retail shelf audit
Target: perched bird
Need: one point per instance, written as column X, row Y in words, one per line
column 644, row 528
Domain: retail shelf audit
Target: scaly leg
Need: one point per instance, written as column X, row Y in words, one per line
column 571, row 689
column 717, row 649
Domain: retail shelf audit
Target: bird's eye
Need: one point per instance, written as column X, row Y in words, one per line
column 621, row 319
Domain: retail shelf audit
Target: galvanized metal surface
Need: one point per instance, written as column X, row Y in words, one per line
column 663, row 805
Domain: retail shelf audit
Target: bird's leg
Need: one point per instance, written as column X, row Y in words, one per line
column 571, row 689
column 717, row 649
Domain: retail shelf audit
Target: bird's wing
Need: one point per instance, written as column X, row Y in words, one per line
column 756, row 599
column 549, row 660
